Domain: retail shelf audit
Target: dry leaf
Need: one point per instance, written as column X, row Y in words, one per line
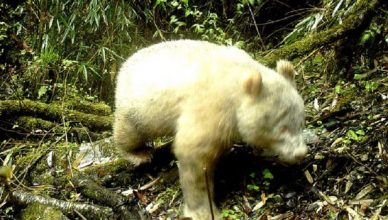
column 328, row 199
column 258, row 206
column 316, row 105
column 246, row 206
column 348, row 185
column 308, row 177
column 365, row 191
column 352, row 213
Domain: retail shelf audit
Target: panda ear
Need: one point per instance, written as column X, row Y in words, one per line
column 253, row 83
column 285, row 68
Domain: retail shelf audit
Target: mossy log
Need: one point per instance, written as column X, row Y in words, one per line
column 87, row 107
column 360, row 15
column 56, row 113
column 43, row 212
column 29, row 123
column 94, row 191
column 25, row 198
column 162, row 156
column 90, row 181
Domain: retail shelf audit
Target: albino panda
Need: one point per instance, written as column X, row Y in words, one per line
column 207, row 96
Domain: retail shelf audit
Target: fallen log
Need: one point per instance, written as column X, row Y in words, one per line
column 360, row 15
column 25, row 198
column 87, row 107
column 37, row 126
column 102, row 195
column 55, row 112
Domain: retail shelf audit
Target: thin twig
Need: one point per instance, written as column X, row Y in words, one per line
column 149, row 184
column 308, row 56
column 80, row 215
column 361, row 164
column 257, row 29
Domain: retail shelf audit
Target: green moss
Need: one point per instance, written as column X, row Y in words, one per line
column 24, row 162
column 34, row 123
column 345, row 98
column 54, row 112
column 35, row 164
column 108, row 168
column 168, row 194
column 37, row 211
column 87, row 107
column 315, row 40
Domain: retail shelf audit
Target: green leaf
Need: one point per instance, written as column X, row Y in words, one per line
column 365, row 38
column 338, row 89
column 291, row 37
column 357, row 76
column 360, row 132
column 42, row 91
column 352, row 135
column 371, row 86
column 318, row 59
column 6, row 172
column 253, row 187
column 174, row 4
column 267, row 174
column 173, row 19
column 228, row 213
column 158, row 2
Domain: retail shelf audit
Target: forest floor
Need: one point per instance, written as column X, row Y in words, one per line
column 57, row 159
column 343, row 177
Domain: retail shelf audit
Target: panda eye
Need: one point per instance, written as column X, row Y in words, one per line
column 284, row 129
